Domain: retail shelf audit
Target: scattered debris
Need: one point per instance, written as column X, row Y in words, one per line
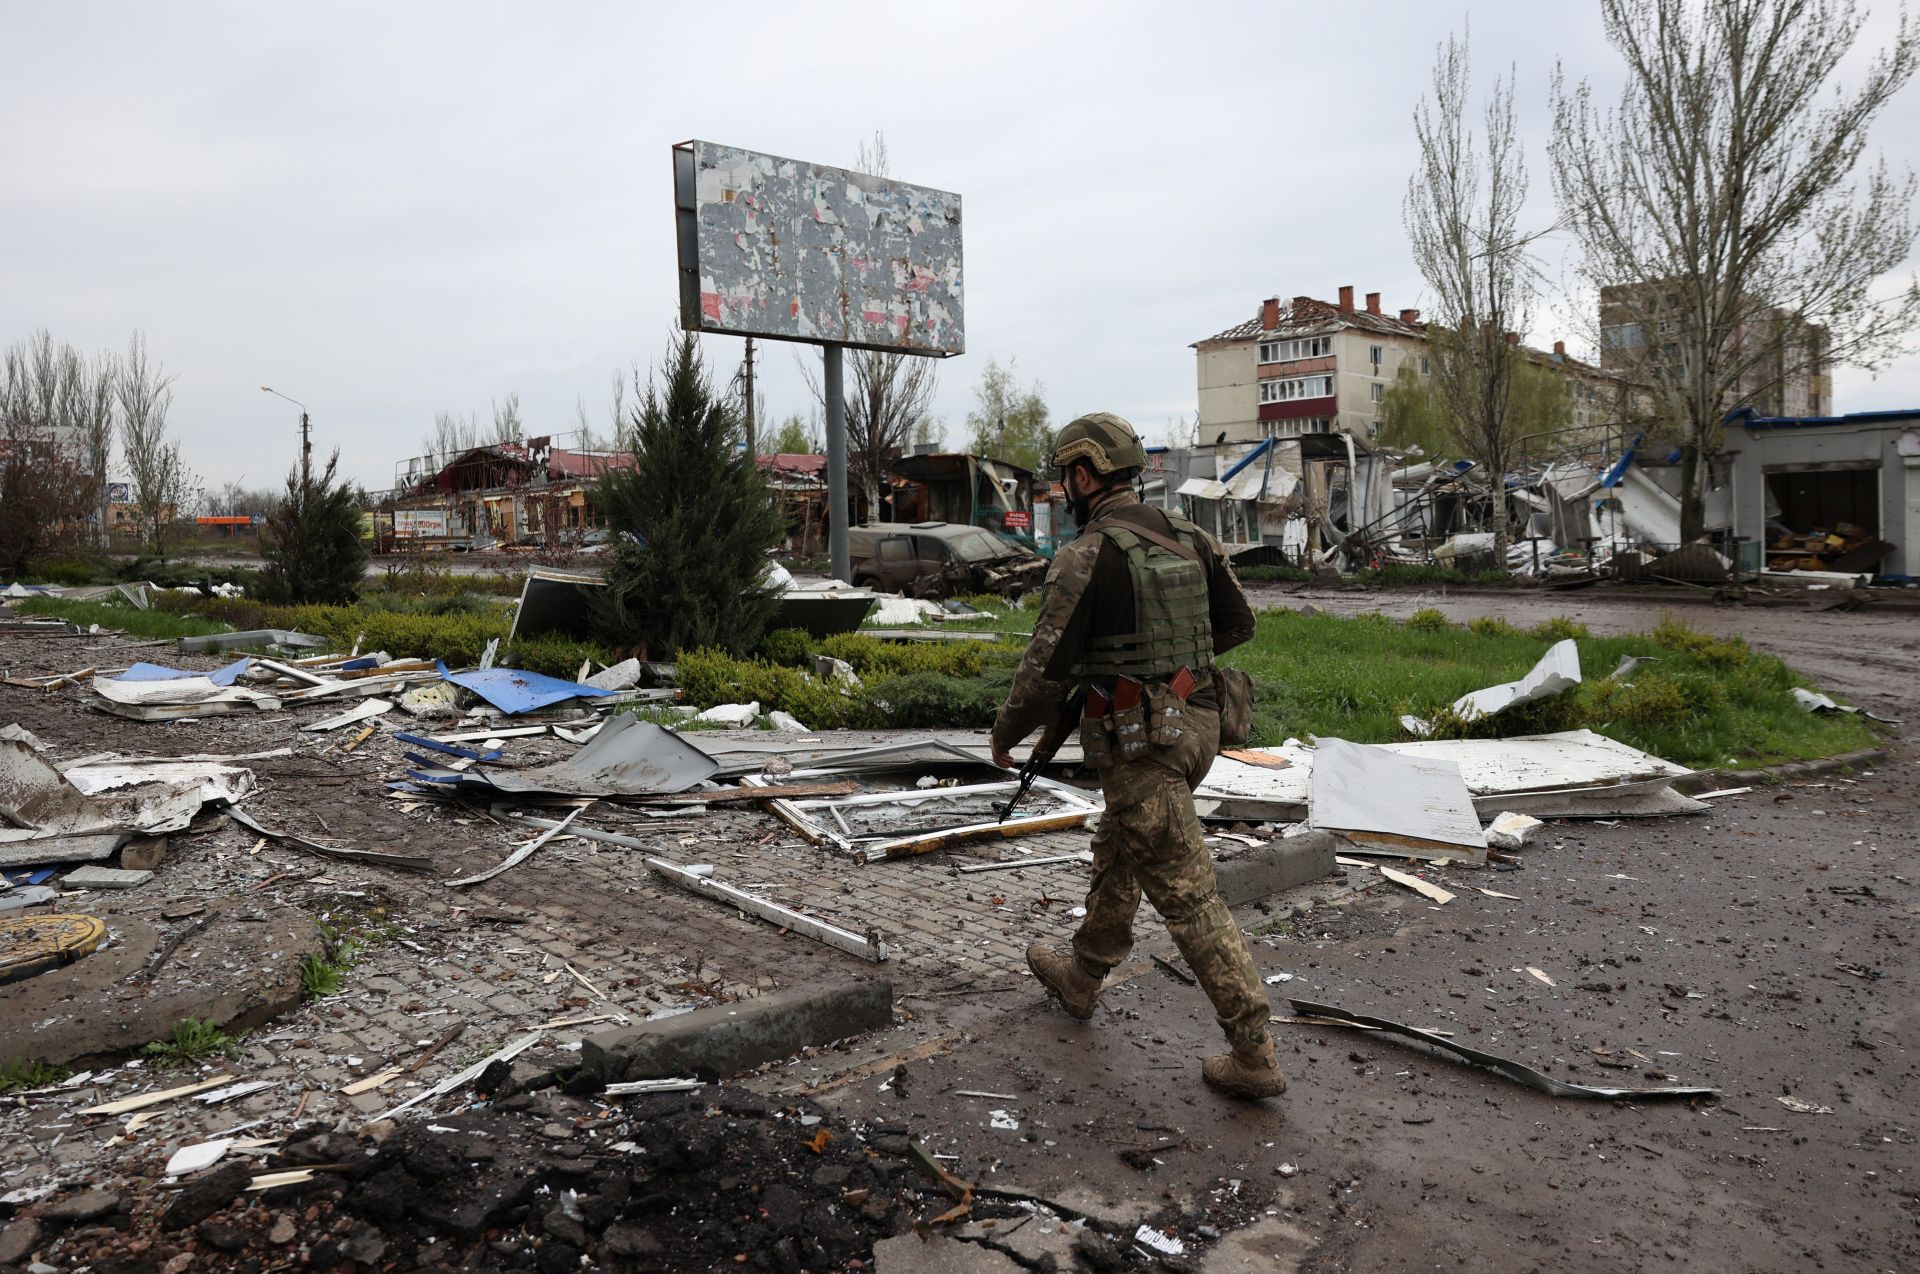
column 1511, row 831
column 1516, row 1071
column 1541, row 975
column 406, row 862
column 1814, row 701
column 1801, row 1107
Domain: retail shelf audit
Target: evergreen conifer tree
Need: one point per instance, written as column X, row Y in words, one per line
column 312, row 542
column 697, row 517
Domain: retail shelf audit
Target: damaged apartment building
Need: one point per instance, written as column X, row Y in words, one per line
column 1286, row 459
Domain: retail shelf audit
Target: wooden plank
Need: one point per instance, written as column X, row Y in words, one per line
column 1419, row 886
column 144, row 1100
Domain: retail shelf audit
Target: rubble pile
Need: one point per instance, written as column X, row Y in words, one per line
column 543, row 1181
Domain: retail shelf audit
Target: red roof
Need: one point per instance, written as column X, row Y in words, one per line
column 586, row 464
column 793, row 462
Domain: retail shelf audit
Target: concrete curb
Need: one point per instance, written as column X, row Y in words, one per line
column 1275, row 866
column 729, row 1038
column 1708, row 780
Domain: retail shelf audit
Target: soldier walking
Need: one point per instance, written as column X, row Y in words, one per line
column 1133, row 612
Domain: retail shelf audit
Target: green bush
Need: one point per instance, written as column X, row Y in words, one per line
column 872, row 657
column 789, row 646
column 1491, row 626
column 1717, row 652
column 1429, row 620
column 1559, row 628
column 926, row 700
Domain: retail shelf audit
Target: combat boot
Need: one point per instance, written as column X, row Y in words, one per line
column 1249, row 1075
column 1059, row 971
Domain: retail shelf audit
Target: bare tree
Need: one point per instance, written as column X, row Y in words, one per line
column 507, row 425
column 888, row 395
column 97, row 415
column 162, row 483
column 450, row 436
column 1462, row 218
column 1717, row 210
column 40, row 491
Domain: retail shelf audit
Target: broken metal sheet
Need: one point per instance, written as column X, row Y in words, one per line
column 515, row 690
column 190, row 691
column 521, row 854
column 49, row 819
column 627, row 757
column 252, row 637
column 362, row 711
column 1586, row 774
column 159, row 672
column 1557, row 672
column 1650, row 798
column 1385, row 803
column 1074, row 808
column 407, row 862
column 867, row 946
column 466, row 1076
column 1516, row 1071
column 435, row 745
column 155, row 795
column 747, row 752
column 1814, row 701
column 554, row 602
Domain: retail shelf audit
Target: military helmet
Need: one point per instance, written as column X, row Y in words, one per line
column 1104, row 440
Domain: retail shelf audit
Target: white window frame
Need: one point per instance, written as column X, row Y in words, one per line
column 1292, row 351
column 1293, row 388
column 1379, row 391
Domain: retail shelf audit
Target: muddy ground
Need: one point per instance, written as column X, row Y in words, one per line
column 1764, row 949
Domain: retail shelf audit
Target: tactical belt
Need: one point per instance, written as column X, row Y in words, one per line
column 1127, row 692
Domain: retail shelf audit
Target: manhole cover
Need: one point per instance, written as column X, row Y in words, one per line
column 34, row 944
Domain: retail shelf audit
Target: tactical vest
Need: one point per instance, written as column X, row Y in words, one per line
column 1173, row 627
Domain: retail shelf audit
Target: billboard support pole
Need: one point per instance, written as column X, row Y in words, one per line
column 834, row 391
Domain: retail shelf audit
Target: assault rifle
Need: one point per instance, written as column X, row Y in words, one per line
column 1043, row 751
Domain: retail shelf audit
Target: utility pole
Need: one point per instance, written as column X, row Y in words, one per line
column 835, row 393
column 752, row 450
column 306, row 437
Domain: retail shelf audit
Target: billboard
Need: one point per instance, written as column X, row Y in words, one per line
column 794, row 251
column 417, row 523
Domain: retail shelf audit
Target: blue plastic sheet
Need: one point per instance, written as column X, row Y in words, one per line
column 516, row 690
column 159, row 672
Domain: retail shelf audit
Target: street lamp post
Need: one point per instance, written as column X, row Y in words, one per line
column 306, row 437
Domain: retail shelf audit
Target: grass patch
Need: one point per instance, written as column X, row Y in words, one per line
column 192, row 1041
column 1704, row 702
column 20, row 1074
column 148, row 624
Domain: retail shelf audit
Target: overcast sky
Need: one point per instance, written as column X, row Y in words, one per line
column 385, row 210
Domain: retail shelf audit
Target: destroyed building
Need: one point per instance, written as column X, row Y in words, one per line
column 529, row 492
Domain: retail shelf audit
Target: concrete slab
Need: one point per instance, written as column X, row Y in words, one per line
column 1278, row 865
column 238, row 973
column 105, row 878
column 729, row 1038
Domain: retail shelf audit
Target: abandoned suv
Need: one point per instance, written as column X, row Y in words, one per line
column 940, row 559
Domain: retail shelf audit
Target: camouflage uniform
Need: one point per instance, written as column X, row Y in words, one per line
column 1149, row 839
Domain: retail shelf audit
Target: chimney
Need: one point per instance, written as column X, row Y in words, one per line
column 1559, row 349
column 1270, row 314
column 1373, row 303
column 1346, row 299
column 1409, row 317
